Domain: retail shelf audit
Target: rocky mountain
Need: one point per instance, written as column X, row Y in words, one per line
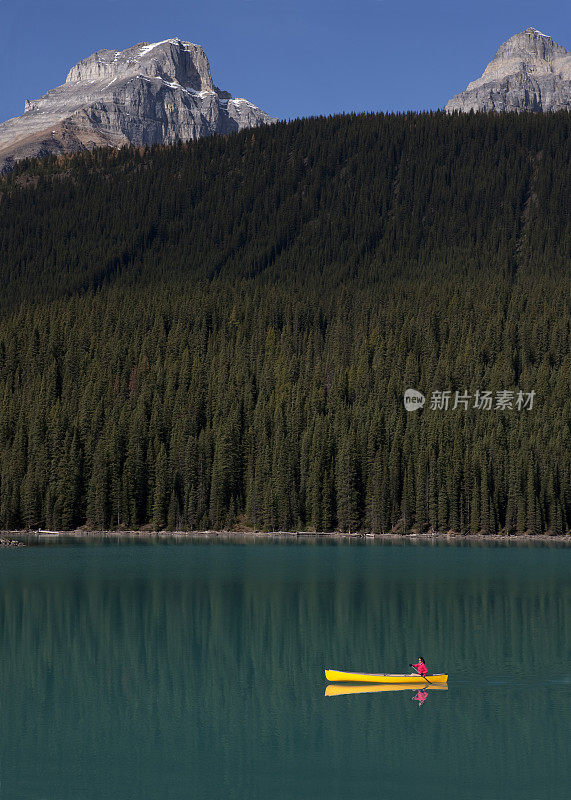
column 147, row 94
column 530, row 72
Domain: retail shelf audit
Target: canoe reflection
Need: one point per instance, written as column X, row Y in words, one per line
column 335, row 689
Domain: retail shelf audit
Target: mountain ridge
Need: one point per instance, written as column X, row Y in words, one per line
column 529, row 72
column 150, row 93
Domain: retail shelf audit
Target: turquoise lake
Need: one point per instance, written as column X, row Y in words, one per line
column 196, row 671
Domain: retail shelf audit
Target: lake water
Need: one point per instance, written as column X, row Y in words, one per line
column 196, row 671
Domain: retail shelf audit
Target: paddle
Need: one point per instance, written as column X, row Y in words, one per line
column 422, row 676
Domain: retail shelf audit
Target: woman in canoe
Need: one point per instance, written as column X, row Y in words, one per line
column 420, row 667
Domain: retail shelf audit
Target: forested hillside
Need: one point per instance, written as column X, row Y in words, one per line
column 221, row 333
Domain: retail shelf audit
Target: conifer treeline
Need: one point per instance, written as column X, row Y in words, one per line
column 221, row 333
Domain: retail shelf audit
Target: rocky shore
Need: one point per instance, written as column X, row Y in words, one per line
column 6, row 542
column 31, row 537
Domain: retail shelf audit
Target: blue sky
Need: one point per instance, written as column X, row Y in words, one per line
column 291, row 57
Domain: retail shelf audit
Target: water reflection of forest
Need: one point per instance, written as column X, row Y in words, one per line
column 94, row 653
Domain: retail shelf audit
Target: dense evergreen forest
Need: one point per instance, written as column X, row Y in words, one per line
column 220, row 333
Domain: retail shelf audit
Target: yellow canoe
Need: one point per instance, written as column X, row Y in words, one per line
column 335, row 675
column 336, row 689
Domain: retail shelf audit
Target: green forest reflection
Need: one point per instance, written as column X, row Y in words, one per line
column 197, row 672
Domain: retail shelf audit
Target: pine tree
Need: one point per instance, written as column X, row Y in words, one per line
column 160, row 497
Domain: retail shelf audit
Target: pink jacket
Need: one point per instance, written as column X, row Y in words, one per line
column 422, row 668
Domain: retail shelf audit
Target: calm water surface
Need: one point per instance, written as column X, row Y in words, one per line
column 196, row 671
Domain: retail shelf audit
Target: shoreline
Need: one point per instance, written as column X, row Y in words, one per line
column 6, row 541
column 19, row 538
